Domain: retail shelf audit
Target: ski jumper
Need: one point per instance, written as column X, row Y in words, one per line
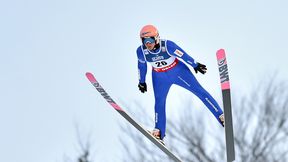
column 169, row 70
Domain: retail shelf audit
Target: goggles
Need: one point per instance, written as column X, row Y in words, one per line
column 148, row 40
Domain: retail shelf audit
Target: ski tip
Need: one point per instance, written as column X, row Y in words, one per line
column 220, row 54
column 90, row 77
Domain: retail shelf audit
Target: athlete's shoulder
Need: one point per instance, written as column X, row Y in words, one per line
column 174, row 49
column 170, row 43
column 171, row 46
column 140, row 54
column 139, row 50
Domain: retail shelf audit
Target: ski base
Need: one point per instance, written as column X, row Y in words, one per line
column 104, row 94
column 226, row 96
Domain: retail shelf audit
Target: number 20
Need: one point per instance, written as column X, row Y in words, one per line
column 160, row 63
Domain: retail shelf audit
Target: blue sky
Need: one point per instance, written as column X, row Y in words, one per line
column 47, row 46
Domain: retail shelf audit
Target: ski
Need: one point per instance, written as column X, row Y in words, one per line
column 106, row 96
column 226, row 96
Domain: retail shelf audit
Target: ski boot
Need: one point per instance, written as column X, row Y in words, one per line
column 157, row 134
column 221, row 118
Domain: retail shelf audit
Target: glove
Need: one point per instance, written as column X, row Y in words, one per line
column 201, row 68
column 142, row 87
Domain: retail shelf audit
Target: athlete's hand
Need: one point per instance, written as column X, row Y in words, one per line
column 142, row 87
column 201, row 68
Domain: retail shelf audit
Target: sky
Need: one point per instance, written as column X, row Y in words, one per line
column 46, row 47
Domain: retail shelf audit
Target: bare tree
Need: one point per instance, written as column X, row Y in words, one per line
column 260, row 127
column 83, row 148
column 261, row 124
column 185, row 139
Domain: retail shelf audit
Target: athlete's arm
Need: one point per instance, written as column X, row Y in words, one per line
column 142, row 65
column 175, row 50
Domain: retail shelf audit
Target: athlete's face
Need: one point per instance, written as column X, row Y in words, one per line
column 149, row 42
column 150, row 46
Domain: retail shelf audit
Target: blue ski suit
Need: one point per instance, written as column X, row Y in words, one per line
column 169, row 70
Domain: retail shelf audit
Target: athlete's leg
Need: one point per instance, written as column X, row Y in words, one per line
column 161, row 86
column 187, row 80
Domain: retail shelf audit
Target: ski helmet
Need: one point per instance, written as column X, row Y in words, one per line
column 149, row 33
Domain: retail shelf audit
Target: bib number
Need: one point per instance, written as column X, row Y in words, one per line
column 161, row 63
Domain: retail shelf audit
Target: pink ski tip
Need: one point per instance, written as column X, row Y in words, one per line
column 115, row 106
column 225, row 85
column 90, row 77
column 220, row 54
